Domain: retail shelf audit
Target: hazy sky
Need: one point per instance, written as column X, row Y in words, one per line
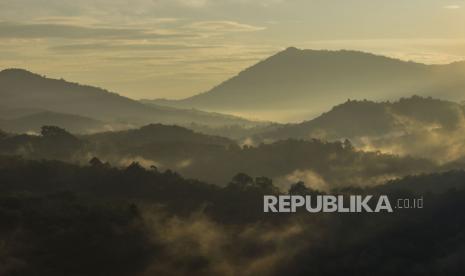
column 177, row 48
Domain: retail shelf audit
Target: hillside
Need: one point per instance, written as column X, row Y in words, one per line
column 313, row 81
column 215, row 159
column 422, row 127
column 355, row 118
column 23, row 90
column 33, row 123
column 156, row 133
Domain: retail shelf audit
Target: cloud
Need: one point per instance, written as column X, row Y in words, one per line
column 223, row 26
column 193, row 3
column 311, row 179
column 452, row 7
column 18, row 30
column 219, row 250
column 66, row 20
column 424, row 50
column 146, row 163
column 429, row 140
column 184, row 163
column 104, row 46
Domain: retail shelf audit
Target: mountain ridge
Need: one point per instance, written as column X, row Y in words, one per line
column 22, row 89
column 315, row 80
column 355, row 118
column 33, row 122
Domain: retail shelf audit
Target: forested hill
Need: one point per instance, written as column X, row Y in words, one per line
column 357, row 118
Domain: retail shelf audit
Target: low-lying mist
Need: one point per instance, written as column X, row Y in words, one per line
column 63, row 219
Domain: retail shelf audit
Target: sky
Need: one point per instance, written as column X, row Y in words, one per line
column 177, row 48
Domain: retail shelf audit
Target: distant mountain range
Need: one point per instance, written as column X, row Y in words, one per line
column 26, row 96
column 314, row 81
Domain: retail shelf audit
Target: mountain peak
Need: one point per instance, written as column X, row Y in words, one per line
column 17, row 72
column 292, row 49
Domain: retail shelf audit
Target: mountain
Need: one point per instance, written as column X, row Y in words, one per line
column 418, row 126
column 171, row 144
column 156, row 134
column 33, row 123
column 20, row 89
column 368, row 118
column 167, row 147
column 314, row 80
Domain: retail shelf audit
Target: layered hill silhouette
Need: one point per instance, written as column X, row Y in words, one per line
column 34, row 122
column 418, row 126
column 315, row 80
column 357, row 118
column 157, row 134
column 25, row 92
column 216, row 159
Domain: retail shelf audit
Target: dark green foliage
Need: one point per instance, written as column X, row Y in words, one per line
column 63, row 234
column 62, row 219
column 54, row 143
column 299, row 188
column 216, row 159
column 3, row 134
column 156, row 134
column 427, row 241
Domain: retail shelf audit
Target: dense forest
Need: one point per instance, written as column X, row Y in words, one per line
column 415, row 126
column 215, row 159
column 100, row 204
column 64, row 219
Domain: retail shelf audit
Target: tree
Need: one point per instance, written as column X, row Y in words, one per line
column 54, row 131
column 265, row 185
column 299, row 188
column 135, row 166
column 241, row 181
column 347, row 145
column 95, row 162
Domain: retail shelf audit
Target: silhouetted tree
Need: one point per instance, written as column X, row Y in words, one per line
column 95, row 162
column 241, row 181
